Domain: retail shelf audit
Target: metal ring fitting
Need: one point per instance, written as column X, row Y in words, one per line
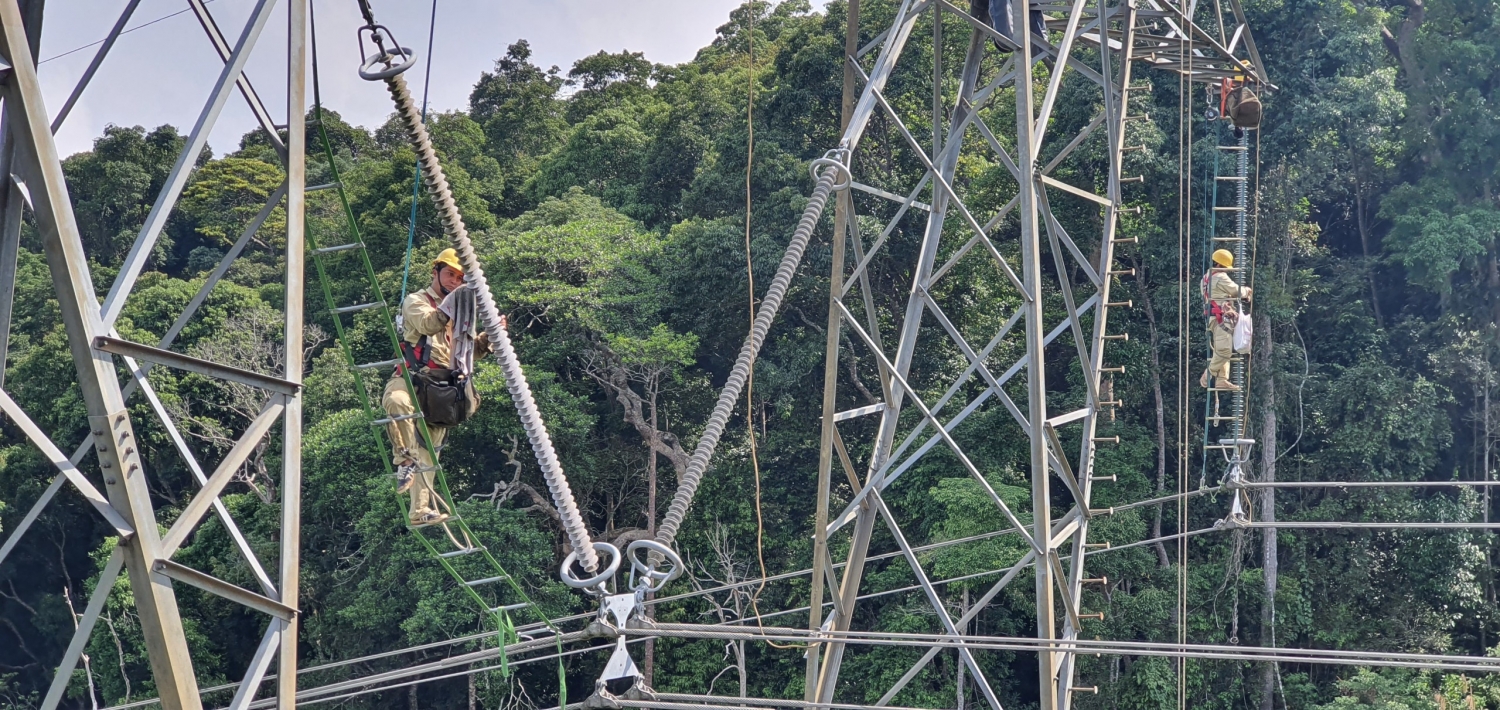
column 842, row 178
column 653, row 579
column 367, row 70
column 608, row 573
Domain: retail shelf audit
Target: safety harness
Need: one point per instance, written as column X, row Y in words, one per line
column 1212, row 309
column 446, row 395
column 418, row 357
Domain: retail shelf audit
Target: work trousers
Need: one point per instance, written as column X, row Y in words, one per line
column 1221, row 339
column 407, row 444
column 1002, row 19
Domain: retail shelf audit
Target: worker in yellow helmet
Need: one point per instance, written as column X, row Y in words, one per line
column 427, row 338
column 1221, row 296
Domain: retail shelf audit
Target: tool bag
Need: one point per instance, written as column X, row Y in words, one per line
column 446, row 397
column 1242, row 107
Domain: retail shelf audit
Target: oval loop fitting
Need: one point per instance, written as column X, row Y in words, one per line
column 605, row 575
column 653, row 579
column 833, row 159
column 398, row 60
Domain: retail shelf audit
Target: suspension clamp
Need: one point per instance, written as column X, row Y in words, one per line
column 1239, row 516
column 621, row 678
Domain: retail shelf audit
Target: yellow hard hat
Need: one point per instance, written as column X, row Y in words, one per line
column 449, row 258
column 1222, row 257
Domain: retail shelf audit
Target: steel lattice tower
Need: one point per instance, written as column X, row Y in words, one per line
column 145, row 556
column 1102, row 43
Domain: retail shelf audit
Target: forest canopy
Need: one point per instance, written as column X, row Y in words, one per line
column 608, row 205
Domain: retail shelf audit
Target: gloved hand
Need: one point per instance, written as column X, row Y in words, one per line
column 482, row 343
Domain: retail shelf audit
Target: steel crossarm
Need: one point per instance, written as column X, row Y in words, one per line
column 950, row 196
column 84, row 628
column 12, row 199
column 252, row 99
column 890, row 370
column 1065, row 284
column 259, row 664
column 88, row 74
column 29, row 154
column 1116, row 98
column 222, row 476
column 934, row 600
column 891, row 470
column 1035, row 214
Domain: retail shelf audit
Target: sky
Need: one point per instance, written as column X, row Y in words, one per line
column 162, row 73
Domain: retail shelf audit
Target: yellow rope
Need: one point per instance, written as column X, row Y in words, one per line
column 760, row 525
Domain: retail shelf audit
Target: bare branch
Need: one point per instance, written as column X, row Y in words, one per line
column 602, row 365
column 846, row 355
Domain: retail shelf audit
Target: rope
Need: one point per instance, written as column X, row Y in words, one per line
column 760, row 551
column 1213, row 228
column 1250, row 265
column 698, row 464
column 1184, row 349
column 416, row 168
column 760, row 523
column 505, row 354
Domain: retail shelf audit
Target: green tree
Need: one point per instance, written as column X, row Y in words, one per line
column 227, row 194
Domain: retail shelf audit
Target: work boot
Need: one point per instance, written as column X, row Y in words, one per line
column 427, row 517
column 406, row 474
column 1227, row 385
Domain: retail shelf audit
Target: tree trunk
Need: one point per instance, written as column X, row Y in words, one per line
column 1267, row 508
column 1486, row 453
column 739, row 659
column 965, row 630
column 473, row 694
column 649, row 668
column 1161, row 421
column 411, row 697
column 1363, row 221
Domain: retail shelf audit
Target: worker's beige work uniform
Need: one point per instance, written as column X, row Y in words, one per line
column 419, row 317
column 1225, row 292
